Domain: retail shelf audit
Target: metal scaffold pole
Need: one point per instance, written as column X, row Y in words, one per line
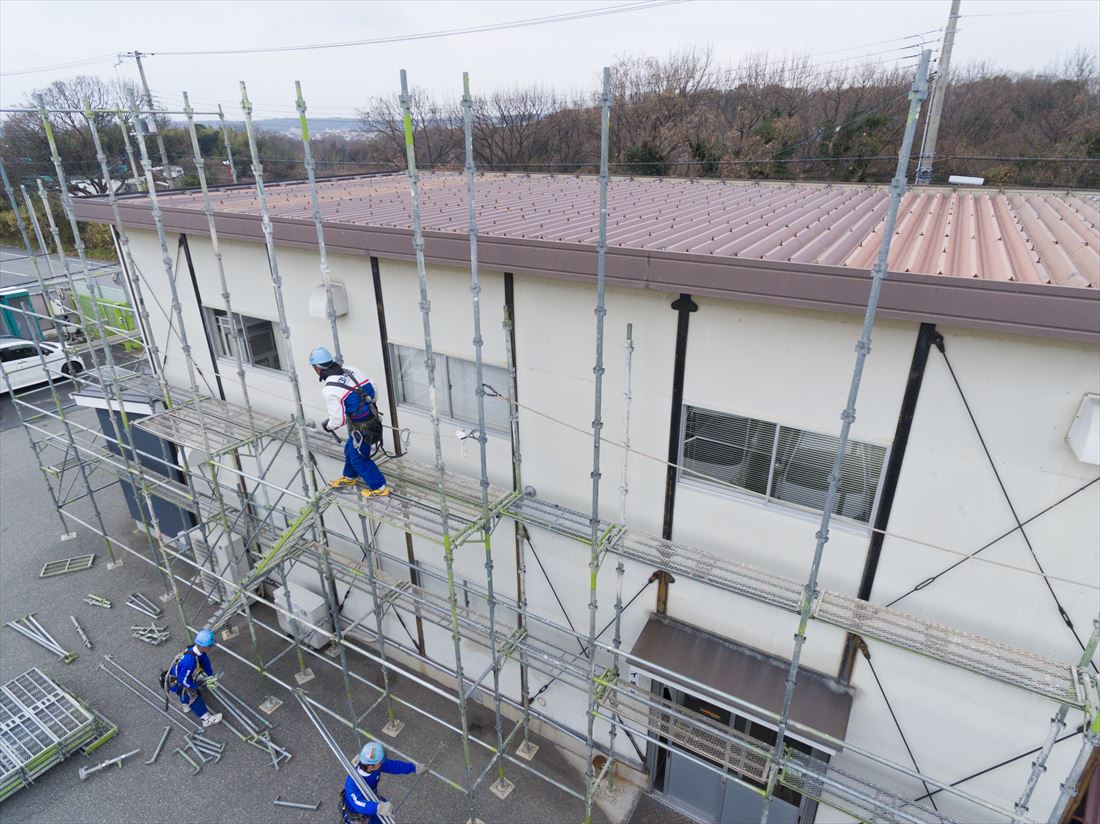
column 502, row 787
column 54, row 395
column 597, row 430
column 1068, row 790
column 228, row 147
column 433, row 405
column 309, row 489
column 315, row 202
column 527, row 749
column 148, row 96
column 624, row 488
column 917, row 93
column 1057, row 724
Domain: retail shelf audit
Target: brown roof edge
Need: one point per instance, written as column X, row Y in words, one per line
column 1017, row 308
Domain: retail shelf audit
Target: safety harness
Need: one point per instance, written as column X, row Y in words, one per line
column 169, row 678
column 361, row 428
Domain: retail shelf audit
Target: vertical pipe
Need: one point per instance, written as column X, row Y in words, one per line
column 482, row 437
column 429, row 363
column 152, row 119
column 372, row 580
column 597, row 428
column 1057, row 724
column 878, row 274
column 939, row 92
column 1068, row 790
column 624, row 488
column 526, row 748
column 308, row 487
column 54, row 395
column 228, row 148
column 398, row 450
column 315, row 200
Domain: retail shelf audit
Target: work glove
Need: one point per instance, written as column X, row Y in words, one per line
column 324, row 426
column 211, row 682
column 384, row 808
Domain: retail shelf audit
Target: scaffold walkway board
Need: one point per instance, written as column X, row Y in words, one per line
column 40, row 726
column 212, row 426
column 413, row 507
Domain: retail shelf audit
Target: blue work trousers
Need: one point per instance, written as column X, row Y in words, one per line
column 357, row 463
column 198, row 706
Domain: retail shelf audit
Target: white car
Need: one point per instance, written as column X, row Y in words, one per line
column 23, row 366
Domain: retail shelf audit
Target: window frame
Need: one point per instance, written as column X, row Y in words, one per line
column 219, row 332
column 443, row 395
column 767, row 499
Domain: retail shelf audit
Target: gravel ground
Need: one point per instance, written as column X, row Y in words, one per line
column 242, row 786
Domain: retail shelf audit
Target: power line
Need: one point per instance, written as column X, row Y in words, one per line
column 603, row 11
column 87, row 61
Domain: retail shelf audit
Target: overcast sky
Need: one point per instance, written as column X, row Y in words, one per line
column 1013, row 34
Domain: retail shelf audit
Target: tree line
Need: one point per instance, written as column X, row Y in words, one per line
column 686, row 115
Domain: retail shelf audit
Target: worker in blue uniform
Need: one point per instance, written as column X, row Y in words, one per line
column 189, row 673
column 349, row 399
column 372, row 763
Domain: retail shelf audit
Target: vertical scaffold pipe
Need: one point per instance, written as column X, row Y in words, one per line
column 597, row 429
column 228, row 147
column 315, row 200
column 309, row 488
column 433, row 406
column 1057, row 724
column 624, row 488
column 917, row 93
column 1068, row 790
column 148, row 95
column 502, row 786
column 54, row 395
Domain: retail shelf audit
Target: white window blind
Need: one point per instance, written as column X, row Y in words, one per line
column 780, row 463
column 456, row 384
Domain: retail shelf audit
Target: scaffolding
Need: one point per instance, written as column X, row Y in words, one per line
column 224, row 470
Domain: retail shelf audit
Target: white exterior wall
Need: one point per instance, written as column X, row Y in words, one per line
column 788, row 366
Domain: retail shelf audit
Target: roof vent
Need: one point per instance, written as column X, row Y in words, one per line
column 963, row 180
column 1084, row 433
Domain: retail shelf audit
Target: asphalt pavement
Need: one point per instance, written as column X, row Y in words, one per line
column 242, row 786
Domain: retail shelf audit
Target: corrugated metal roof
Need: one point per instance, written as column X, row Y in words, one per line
column 1025, row 236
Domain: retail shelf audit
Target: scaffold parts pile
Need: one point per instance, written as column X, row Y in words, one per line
column 40, row 726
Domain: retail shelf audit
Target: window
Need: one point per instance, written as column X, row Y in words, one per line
column 19, row 352
column 779, row 462
column 253, row 338
column 456, row 384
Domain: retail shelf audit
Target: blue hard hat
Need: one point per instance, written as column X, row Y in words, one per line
column 372, row 753
column 320, row 356
column 205, row 638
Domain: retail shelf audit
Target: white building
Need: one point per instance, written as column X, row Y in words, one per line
column 985, row 354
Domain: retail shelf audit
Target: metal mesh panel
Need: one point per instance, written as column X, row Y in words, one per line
column 227, row 426
column 952, row 646
column 858, row 797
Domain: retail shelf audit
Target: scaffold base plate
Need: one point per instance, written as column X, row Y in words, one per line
column 229, row 633
column 270, row 704
column 114, row 564
column 166, row 597
column 67, row 536
column 304, row 677
column 393, row 728
column 501, row 788
column 527, row 750
column 333, row 651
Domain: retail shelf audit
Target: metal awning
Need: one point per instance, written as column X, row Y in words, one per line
column 749, row 674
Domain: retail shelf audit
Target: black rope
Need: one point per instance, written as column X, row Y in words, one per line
column 546, row 575
column 1003, row 535
column 1061, row 610
column 1004, row 763
column 867, row 655
column 599, row 634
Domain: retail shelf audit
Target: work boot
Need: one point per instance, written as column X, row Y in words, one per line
column 381, row 492
column 210, row 719
column 336, row 483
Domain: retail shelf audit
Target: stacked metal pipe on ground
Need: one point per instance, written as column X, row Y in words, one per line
column 151, row 634
column 255, row 730
column 144, row 605
column 29, row 628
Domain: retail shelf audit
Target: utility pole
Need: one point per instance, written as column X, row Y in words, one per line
column 939, row 90
column 153, row 122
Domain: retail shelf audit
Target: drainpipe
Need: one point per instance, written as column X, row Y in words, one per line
column 684, row 306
